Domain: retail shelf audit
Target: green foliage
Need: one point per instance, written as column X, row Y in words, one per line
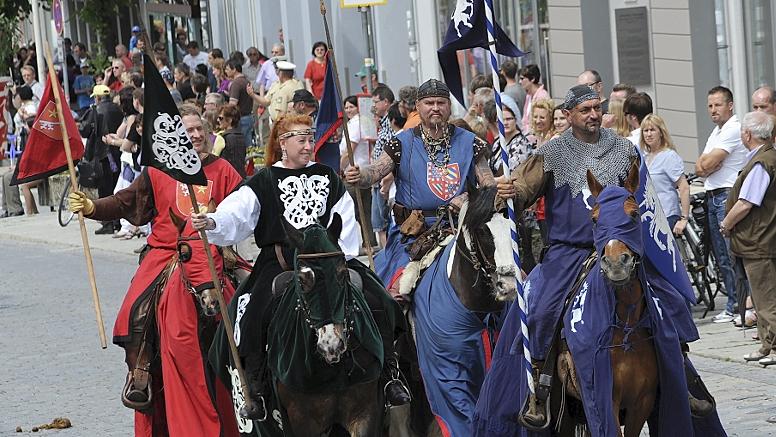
column 101, row 14
column 100, row 61
column 12, row 12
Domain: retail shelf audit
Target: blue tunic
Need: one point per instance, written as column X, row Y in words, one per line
column 422, row 185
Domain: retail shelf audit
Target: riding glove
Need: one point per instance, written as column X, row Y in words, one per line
column 77, row 201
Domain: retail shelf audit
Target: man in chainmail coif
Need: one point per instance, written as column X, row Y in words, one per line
column 558, row 171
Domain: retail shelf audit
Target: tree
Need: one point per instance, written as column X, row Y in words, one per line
column 12, row 12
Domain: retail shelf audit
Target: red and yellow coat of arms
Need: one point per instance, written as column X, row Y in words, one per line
column 183, row 201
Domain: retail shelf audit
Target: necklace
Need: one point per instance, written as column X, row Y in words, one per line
column 435, row 146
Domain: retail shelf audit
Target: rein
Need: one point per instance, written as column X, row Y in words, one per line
column 476, row 257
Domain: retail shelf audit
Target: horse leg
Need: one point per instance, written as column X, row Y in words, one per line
column 362, row 411
column 638, row 414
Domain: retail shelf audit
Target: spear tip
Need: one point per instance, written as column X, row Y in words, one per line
column 323, row 7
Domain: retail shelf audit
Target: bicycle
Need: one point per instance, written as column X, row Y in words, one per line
column 699, row 261
column 64, row 215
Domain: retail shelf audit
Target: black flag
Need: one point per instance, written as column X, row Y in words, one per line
column 166, row 146
column 468, row 29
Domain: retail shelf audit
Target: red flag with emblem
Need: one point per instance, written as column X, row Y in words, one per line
column 44, row 151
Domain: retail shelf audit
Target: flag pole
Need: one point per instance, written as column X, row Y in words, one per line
column 222, row 305
column 521, row 304
column 74, row 187
column 359, row 200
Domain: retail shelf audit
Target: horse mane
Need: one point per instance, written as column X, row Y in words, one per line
column 481, row 206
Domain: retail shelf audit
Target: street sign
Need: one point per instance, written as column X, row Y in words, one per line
column 358, row 3
column 56, row 11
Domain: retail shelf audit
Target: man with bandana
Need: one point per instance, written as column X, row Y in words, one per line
column 432, row 164
column 557, row 171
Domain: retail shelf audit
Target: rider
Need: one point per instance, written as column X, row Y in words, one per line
column 557, row 171
column 433, row 164
column 151, row 198
column 302, row 192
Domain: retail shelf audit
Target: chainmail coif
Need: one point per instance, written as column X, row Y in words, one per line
column 569, row 159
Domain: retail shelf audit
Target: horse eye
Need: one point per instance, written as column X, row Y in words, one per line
column 184, row 252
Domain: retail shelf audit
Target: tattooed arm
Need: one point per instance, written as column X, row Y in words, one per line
column 371, row 174
column 483, row 172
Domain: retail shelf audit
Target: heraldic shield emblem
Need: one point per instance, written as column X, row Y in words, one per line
column 443, row 181
column 183, row 201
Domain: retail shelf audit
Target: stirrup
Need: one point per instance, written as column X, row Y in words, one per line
column 137, row 397
column 524, row 410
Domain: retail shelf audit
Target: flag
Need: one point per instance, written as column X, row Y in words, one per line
column 468, row 29
column 328, row 121
column 44, row 151
column 166, row 146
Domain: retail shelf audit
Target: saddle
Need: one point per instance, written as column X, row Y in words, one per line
column 544, row 382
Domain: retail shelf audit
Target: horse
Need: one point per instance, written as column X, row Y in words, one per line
column 168, row 368
column 632, row 351
column 458, row 324
column 324, row 349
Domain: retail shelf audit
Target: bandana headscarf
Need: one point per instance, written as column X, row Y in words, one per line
column 433, row 88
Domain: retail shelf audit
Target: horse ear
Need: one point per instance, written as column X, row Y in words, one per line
column 295, row 237
column 593, row 184
column 335, row 227
column 632, row 182
column 177, row 221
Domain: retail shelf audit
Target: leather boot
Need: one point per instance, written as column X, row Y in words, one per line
column 396, row 392
column 535, row 416
column 698, row 407
column 255, row 367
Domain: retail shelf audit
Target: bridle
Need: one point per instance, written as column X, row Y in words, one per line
column 475, row 256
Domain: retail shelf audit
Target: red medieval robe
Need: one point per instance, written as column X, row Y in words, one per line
column 192, row 403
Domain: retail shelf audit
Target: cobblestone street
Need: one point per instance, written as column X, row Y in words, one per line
column 53, row 365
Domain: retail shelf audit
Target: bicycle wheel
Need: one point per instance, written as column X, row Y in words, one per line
column 691, row 264
column 64, row 215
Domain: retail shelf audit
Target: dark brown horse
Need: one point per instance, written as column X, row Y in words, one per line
column 634, row 369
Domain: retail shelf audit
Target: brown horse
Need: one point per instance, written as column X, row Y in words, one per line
column 634, row 369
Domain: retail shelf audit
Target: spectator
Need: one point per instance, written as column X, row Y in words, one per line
column 134, row 38
column 222, row 82
column 104, row 119
column 559, row 121
column 371, row 73
column 382, row 99
column 169, row 81
column 396, row 117
column 214, row 54
column 592, row 79
column 722, row 159
column 513, row 89
column 530, row 81
column 23, row 119
column 238, row 96
column 751, row 225
column 182, row 76
column 113, row 75
column 360, row 148
column 237, row 56
column 79, row 52
column 407, row 99
column 621, row 91
column 315, row 73
column 213, row 102
column 542, row 128
column 267, row 75
column 636, row 107
column 232, row 147
column 181, row 49
column 666, row 169
column 764, row 99
column 199, row 85
column 29, row 78
column 518, row 145
column 252, row 67
column 122, row 54
column 616, row 120
column 83, row 84
column 281, row 92
column 194, row 56
column 304, row 103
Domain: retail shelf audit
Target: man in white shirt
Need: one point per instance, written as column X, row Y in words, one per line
column 722, row 159
column 636, row 107
column 28, row 76
column 195, row 57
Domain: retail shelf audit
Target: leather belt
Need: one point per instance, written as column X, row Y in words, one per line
column 717, row 191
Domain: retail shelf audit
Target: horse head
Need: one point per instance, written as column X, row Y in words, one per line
column 617, row 227
column 193, row 264
column 487, row 243
column 322, row 284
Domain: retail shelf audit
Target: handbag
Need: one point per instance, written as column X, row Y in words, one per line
column 89, row 173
